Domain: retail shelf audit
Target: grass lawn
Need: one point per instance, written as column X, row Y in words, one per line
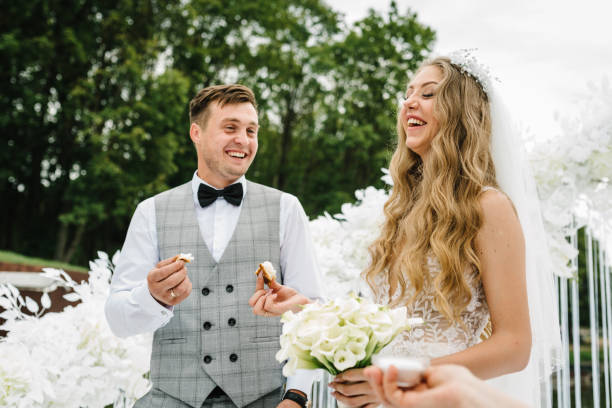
column 13, row 257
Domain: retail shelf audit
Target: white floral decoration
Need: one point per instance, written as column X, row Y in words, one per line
column 341, row 241
column 70, row 359
column 574, row 173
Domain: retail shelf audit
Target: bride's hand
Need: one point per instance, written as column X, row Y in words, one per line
column 277, row 301
column 353, row 389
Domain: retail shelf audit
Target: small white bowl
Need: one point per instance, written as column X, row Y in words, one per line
column 410, row 369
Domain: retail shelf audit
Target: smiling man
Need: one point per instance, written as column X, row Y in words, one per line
column 209, row 349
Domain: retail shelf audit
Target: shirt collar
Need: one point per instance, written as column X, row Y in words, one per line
column 196, row 181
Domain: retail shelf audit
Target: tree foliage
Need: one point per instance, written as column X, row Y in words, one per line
column 94, row 105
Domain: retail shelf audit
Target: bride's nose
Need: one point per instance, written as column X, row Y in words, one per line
column 409, row 103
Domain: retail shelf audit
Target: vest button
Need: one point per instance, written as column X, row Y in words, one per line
column 233, row 357
column 231, row 321
column 207, row 359
column 229, row 288
column 207, row 326
column 205, row 291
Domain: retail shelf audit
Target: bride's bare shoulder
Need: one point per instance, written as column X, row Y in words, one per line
column 500, row 226
column 495, row 203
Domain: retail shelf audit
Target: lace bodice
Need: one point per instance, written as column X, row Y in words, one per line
column 437, row 336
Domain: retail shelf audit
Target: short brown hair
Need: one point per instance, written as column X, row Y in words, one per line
column 223, row 94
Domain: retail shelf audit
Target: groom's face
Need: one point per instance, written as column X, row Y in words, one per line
column 226, row 143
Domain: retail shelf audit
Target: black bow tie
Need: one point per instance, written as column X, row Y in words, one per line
column 232, row 194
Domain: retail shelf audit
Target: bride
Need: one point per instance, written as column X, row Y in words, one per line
column 462, row 244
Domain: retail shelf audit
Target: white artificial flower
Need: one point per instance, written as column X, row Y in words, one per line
column 383, row 334
column 341, row 241
column 357, row 343
column 344, row 359
column 337, row 335
column 298, row 364
column 71, row 359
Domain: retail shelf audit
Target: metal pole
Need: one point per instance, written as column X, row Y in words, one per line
column 565, row 374
column 576, row 326
column 608, row 305
column 315, row 393
column 603, row 280
column 593, row 319
column 606, row 271
column 559, row 374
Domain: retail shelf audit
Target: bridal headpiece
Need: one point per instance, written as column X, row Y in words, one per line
column 467, row 62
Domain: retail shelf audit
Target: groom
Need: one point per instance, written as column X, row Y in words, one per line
column 209, row 348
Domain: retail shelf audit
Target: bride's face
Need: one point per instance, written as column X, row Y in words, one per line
column 417, row 113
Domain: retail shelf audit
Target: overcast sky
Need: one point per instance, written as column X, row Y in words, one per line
column 544, row 51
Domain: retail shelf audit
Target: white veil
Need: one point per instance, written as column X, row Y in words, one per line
column 532, row 385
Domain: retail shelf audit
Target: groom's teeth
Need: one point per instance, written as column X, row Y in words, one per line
column 237, row 154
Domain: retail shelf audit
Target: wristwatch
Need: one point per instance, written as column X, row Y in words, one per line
column 298, row 397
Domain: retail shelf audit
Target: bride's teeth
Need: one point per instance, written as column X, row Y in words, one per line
column 415, row 122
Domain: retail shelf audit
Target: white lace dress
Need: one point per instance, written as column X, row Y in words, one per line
column 437, row 336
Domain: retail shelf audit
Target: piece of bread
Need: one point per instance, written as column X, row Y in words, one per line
column 184, row 257
column 268, row 272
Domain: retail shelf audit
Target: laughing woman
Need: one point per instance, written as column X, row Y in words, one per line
column 452, row 248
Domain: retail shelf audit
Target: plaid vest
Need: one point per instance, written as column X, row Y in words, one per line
column 214, row 338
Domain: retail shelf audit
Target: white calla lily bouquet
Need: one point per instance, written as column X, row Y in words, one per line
column 339, row 334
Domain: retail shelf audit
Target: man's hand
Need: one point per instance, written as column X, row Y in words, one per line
column 353, row 389
column 288, row 404
column 276, row 301
column 168, row 282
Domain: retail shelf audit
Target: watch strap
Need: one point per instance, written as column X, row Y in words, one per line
column 296, row 397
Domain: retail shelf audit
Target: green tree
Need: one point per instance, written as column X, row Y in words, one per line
column 94, row 105
column 347, row 131
column 83, row 108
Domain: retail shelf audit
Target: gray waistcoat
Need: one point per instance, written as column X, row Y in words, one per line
column 214, row 338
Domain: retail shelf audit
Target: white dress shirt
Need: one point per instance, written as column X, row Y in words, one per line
column 131, row 309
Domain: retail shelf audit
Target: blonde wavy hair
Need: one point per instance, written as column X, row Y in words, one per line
column 433, row 209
